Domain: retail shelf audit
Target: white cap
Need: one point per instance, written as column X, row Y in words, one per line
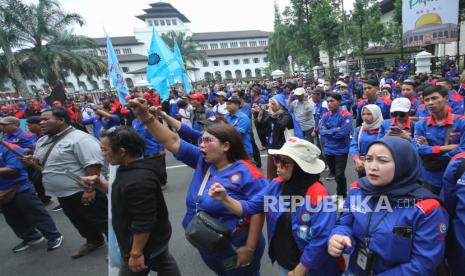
column 221, row 93
column 299, row 91
column 304, row 153
column 400, row 105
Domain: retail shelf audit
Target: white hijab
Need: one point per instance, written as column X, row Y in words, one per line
column 377, row 117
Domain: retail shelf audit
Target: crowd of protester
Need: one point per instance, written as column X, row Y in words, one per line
column 405, row 135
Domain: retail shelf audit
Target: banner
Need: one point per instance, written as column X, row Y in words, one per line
column 427, row 22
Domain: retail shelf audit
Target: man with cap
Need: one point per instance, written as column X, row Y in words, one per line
column 287, row 89
column 199, row 112
column 408, row 91
column 453, row 72
column 220, row 106
column 400, row 124
column 370, row 89
column 12, row 133
column 240, row 122
column 303, row 111
column 346, row 94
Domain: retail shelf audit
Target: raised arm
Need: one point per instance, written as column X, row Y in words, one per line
column 164, row 136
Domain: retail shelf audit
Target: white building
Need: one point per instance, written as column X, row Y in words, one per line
column 230, row 55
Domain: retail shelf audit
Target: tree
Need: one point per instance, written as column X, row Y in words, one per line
column 47, row 44
column 277, row 42
column 327, row 28
column 11, row 12
column 189, row 49
column 365, row 25
column 393, row 31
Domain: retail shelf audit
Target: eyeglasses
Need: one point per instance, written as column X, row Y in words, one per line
column 205, row 140
column 278, row 160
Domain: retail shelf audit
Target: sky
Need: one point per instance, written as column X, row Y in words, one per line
column 117, row 17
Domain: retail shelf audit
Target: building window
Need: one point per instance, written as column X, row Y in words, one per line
column 127, row 51
column 118, row 51
column 103, row 52
column 225, row 62
column 253, row 43
column 236, row 62
column 256, row 60
column 125, row 69
column 150, row 22
column 214, row 46
column 246, row 61
column 205, row 63
column 262, row 43
column 216, row 63
column 223, row 45
column 204, row 46
column 265, row 59
column 243, row 44
column 174, row 22
column 233, row 44
column 168, row 22
column 162, row 22
column 155, row 22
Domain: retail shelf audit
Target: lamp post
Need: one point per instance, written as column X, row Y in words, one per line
column 291, row 70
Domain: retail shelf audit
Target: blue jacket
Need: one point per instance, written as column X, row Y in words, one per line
column 319, row 111
column 9, row 160
column 199, row 115
column 173, row 110
column 152, row 146
column 311, row 226
column 453, row 196
column 21, row 138
column 396, row 254
column 359, row 147
column 241, row 180
column 96, row 125
column 108, row 123
column 335, row 128
column 436, row 136
column 386, row 125
column 404, row 70
column 422, row 111
column 383, row 103
column 241, row 123
column 456, row 103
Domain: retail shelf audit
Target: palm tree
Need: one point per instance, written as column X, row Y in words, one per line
column 49, row 47
column 11, row 12
column 189, row 49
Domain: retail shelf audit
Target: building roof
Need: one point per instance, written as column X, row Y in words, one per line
column 387, row 6
column 229, row 35
column 162, row 10
column 117, row 41
column 236, row 51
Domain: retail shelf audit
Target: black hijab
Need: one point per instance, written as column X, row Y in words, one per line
column 299, row 182
column 406, row 183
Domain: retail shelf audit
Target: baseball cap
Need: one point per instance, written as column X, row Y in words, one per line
column 9, row 120
column 235, row 100
column 197, row 96
column 299, row 91
column 304, row 153
column 213, row 120
column 221, row 93
column 400, row 105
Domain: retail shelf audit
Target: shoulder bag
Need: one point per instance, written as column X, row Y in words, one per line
column 205, row 232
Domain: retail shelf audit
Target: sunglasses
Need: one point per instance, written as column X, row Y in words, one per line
column 283, row 162
column 206, row 140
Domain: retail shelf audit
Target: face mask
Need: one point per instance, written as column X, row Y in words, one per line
column 326, row 88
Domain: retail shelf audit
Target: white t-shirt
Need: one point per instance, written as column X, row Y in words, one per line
column 185, row 116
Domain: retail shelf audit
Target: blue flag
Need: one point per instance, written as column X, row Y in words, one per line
column 161, row 65
column 183, row 75
column 115, row 73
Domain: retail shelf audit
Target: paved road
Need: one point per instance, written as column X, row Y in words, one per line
column 37, row 261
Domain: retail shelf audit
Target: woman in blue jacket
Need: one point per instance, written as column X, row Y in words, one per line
column 298, row 234
column 364, row 135
column 220, row 150
column 390, row 224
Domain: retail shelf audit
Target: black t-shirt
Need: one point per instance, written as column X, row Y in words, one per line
column 283, row 245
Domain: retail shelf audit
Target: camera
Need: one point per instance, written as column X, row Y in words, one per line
column 264, row 106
